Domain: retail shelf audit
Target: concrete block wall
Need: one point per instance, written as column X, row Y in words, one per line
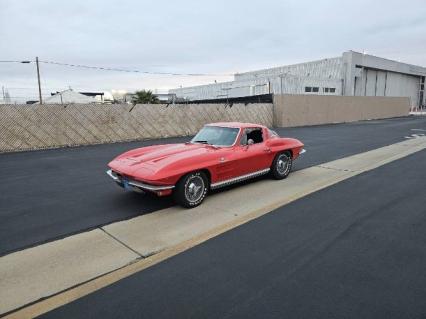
column 29, row 127
column 298, row 110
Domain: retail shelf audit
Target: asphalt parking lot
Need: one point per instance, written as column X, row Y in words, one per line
column 352, row 250
column 381, row 161
column 51, row 194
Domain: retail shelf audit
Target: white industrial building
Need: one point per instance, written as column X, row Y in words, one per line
column 68, row 97
column 352, row 74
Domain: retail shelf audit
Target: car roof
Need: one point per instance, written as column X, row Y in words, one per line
column 235, row 124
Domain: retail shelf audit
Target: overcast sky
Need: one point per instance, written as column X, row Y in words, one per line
column 193, row 36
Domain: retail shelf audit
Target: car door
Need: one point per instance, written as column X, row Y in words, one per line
column 254, row 157
column 226, row 164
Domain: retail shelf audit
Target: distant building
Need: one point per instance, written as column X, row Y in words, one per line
column 165, row 97
column 162, row 97
column 68, row 97
column 352, row 74
column 99, row 96
column 6, row 96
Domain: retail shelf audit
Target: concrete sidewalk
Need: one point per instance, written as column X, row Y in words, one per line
column 32, row 274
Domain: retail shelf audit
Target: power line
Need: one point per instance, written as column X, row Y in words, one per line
column 11, row 61
column 129, row 71
column 34, row 88
column 117, row 69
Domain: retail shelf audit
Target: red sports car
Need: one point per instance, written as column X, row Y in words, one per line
column 219, row 155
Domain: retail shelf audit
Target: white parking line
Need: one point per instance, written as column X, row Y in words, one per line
column 414, row 135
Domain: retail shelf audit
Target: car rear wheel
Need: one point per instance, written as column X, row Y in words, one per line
column 191, row 189
column 281, row 166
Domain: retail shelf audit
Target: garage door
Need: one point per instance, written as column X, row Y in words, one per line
column 403, row 85
column 370, row 85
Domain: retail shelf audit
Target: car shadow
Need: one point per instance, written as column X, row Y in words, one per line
column 238, row 185
column 128, row 204
column 135, row 204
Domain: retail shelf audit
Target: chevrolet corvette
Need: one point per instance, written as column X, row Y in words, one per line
column 219, row 155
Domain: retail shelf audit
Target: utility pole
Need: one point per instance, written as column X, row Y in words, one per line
column 38, row 78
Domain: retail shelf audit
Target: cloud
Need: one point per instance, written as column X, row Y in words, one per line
column 191, row 36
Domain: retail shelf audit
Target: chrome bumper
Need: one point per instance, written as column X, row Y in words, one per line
column 143, row 186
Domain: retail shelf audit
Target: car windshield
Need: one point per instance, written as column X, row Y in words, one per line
column 216, row 135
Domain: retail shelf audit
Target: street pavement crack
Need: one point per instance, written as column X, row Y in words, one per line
column 337, row 169
column 122, row 243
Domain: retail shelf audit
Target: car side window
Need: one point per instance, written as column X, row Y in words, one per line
column 244, row 138
column 273, row 133
column 255, row 134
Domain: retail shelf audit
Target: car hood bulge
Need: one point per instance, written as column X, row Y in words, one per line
column 159, row 157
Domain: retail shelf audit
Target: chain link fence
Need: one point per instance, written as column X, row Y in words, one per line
column 30, row 127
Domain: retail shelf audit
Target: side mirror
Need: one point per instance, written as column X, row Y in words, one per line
column 250, row 142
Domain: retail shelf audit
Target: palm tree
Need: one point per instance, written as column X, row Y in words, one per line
column 145, row 97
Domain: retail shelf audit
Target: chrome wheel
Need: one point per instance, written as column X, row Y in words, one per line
column 283, row 164
column 191, row 189
column 194, row 188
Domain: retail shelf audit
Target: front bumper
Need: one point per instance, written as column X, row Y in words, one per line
column 139, row 185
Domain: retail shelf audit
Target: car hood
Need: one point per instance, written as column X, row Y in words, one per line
column 145, row 160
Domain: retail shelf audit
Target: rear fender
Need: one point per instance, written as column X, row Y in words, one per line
column 278, row 145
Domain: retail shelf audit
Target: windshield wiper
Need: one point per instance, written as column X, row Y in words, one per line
column 207, row 143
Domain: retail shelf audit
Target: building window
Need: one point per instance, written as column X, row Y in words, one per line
column 329, row 90
column 311, row 89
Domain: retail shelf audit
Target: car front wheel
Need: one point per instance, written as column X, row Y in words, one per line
column 281, row 166
column 191, row 189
